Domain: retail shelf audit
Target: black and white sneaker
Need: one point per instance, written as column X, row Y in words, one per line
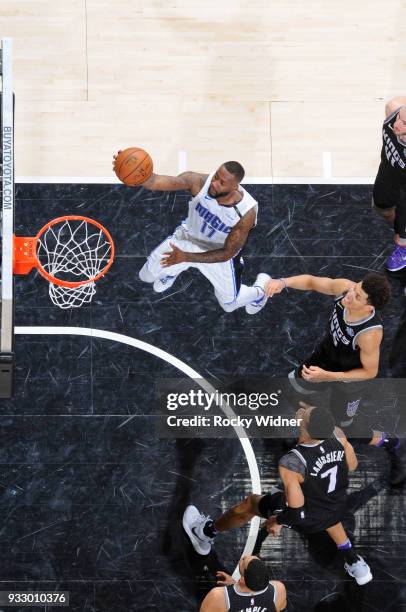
column 193, row 524
column 359, row 570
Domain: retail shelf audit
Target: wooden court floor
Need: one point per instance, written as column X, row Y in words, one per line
column 290, row 89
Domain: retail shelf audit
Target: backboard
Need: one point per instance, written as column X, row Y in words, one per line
column 7, row 222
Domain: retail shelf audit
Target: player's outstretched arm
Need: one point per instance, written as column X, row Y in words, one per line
column 394, row 104
column 307, row 282
column 189, row 181
column 234, row 243
column 214, row 601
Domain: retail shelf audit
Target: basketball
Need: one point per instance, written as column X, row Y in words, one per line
column 133, row 166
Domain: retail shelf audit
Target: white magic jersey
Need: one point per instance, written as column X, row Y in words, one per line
column 208, row 223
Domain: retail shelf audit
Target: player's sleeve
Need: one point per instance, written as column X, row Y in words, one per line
column 291, row 462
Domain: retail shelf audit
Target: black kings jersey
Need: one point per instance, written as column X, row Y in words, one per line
column 338, row 351
column 260, row 601
column 393, row 150
column 325, row 482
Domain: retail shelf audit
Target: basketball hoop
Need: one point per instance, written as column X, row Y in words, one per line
column 72, row 253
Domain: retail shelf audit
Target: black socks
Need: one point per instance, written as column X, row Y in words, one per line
column 348, row 553
column 209, row 529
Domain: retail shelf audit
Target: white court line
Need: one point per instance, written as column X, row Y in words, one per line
column 182, row 161
column 183, row 367
column 327, row 165
column 248, row 180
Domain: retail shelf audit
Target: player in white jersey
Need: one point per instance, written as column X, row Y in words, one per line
column 221, row 215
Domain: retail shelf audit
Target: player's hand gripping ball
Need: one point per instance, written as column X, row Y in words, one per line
column 133, row 166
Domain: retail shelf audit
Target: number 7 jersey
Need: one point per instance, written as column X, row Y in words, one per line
column 325, row 481
column 209, row 223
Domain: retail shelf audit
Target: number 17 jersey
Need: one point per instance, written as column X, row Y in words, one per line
column 209, row 223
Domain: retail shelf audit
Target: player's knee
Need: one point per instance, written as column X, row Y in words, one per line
column 227, row 306
column 145, row 275
column 386, row 213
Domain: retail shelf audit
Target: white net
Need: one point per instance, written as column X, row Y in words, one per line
column 69, row 297
column 73, row 250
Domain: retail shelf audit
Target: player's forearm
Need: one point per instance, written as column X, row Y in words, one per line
column 302, row 282
column 215, row 256
column 356, row 374
column 294, row 513
column 161, row 182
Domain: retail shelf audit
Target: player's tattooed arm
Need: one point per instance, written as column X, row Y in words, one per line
column 189, row 181
column 234, row 243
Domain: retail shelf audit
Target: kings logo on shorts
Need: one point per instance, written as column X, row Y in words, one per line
column 352, row 408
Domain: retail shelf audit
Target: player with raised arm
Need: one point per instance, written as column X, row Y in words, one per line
column 221, row 215
column 315, row 479
column 253, row 591
column 348, row 355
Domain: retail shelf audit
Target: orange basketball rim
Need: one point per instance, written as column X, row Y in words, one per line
column 69, row 251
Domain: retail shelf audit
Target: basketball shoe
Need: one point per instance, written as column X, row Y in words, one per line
column 164, row 283
column 359, row 570
column 193, row 523
column 397, row 259
column 258, row 304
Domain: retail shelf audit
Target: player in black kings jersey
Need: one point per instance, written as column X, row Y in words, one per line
column 253, row 591
column 389, row 193
column 350, row 349
column 348, row 355
column 315, row 478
